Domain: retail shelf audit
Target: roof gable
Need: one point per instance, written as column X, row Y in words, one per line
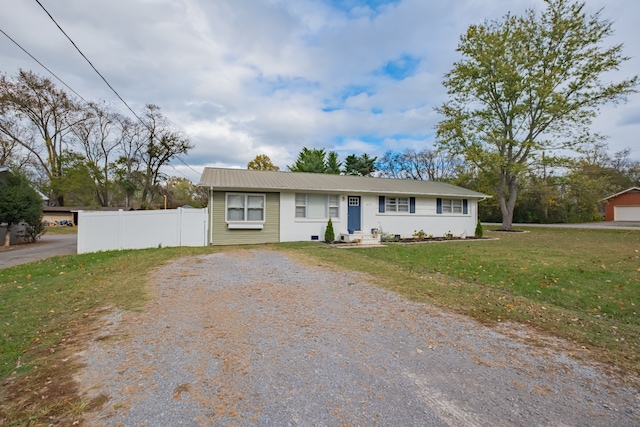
column 620, row 193
column 251, row 180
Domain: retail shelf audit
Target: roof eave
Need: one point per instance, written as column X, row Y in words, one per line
column 342, row 191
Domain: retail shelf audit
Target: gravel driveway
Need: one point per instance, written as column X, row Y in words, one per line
column 256, row 338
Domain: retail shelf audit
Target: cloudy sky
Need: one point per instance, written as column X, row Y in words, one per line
column 249, row 77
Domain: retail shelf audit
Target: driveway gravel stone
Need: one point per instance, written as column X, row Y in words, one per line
column 257, row 338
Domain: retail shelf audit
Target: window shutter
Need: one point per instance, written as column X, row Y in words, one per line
column 381, row 204
column 465, row 206
column 438, row 205
column 412, row 205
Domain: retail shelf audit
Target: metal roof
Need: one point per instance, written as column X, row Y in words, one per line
column 251, row 180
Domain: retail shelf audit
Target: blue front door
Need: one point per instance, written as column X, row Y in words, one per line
column 353, row 214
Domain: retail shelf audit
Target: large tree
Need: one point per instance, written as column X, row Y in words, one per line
column 39, row 117
column 98, row 138
column 262, row 162
column 127, row 166
column 163, row 143
column 316, row 161
column 426, row 164
column 181, row 191
column 362, row 165
column 528, row 84
column 18, row 202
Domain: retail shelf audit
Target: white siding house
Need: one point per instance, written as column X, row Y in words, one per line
column 265, row 206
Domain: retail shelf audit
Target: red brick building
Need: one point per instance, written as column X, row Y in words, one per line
column 623, row 206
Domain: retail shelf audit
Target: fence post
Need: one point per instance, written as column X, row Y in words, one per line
column 80, row 241
column 179, row 226
column 120, row 227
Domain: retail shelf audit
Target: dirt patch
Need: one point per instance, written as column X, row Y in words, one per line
column 51, row 387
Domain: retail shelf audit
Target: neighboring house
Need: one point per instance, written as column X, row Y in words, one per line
column 623, row 206
column 247, row 206
column 68, row 215
column 56, row 215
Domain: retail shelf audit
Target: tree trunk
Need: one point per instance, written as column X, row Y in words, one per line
column 507, row 192
column 7, row 237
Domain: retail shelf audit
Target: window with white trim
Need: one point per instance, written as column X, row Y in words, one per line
column 452, row 206
column 317, row 206
column 396, row 204
column 245, row 208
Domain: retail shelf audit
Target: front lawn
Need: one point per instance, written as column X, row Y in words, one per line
column 582, row 285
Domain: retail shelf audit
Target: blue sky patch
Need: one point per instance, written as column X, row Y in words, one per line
column 349, row 5
column 399, row 69
column 355, row 90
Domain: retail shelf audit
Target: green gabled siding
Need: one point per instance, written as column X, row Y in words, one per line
column 223, row 236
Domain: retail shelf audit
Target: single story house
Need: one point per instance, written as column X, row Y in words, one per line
column 247, row 206
column 623, row 206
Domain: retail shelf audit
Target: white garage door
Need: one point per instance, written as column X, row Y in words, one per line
column 626, row 213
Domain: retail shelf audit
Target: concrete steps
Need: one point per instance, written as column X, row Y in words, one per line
column 360, row 238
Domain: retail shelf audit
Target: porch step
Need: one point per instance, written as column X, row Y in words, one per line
column 360, row 238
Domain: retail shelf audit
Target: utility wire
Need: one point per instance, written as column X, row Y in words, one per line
column 43, row 66
column 76, row 93
column 101, row 76
column 87, row 59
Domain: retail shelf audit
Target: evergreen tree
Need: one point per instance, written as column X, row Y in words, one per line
column 329, row 234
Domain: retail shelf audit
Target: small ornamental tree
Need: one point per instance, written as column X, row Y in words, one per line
column 18, row 202
column 329, row 234
column 479, row 231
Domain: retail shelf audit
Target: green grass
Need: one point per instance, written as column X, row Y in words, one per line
column 61, row 230
column 583, row 285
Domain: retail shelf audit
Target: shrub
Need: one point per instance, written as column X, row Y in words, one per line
column 388, row 237
column 34, row 231
column 479, row 230
column 329, row 234
column 419, row 235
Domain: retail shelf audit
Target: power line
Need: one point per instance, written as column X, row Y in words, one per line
column 101, row 76
column 43, row 66
column 87, row 59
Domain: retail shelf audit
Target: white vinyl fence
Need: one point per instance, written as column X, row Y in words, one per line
column 106, row 231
